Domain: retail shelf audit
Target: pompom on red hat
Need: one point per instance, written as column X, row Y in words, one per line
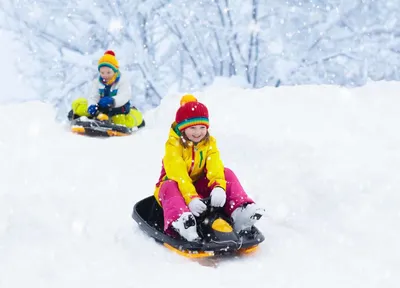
column 191, row 113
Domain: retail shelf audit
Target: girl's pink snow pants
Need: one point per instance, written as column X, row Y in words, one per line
column 174, row 205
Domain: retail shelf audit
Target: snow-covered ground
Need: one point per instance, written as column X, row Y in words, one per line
column 324, row 162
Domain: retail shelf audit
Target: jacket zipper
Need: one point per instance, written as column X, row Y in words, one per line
column 201, row 158
column 192, row 165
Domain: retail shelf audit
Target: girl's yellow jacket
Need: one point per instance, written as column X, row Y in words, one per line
column 186, row 165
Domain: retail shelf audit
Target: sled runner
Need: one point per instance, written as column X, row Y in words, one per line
column 99, row 126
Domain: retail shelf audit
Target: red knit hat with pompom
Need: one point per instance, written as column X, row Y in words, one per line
column 191, row 113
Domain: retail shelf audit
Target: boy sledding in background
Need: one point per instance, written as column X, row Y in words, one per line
column 192, row 169
column 110, row 95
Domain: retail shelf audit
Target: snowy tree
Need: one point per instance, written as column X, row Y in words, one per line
column 185, row 44
column 65, row 39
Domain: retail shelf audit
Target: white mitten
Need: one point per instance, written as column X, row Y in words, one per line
column 218, row 197
column 196, row 206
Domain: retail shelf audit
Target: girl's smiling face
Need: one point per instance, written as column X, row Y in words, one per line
column 196, row 133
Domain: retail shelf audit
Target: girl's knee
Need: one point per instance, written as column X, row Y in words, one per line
column 170, row 184
column 169, row 187
column 229, row 174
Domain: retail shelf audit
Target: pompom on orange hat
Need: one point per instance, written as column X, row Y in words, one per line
column 109, row 60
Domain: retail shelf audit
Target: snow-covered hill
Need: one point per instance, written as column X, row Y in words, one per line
column 323, row 161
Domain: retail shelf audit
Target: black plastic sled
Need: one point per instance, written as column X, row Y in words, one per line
column 214, row 227
column 99, row 126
